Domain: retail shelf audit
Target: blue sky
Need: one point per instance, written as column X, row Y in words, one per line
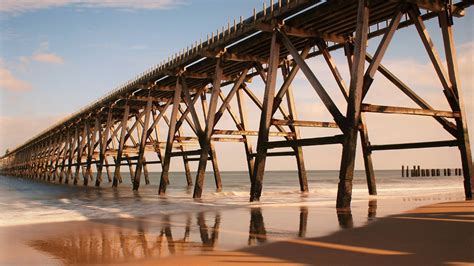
column 57, row 56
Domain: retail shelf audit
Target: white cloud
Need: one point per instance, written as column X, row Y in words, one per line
column 9, row 82
column 18, row 7
column 43, row 55
column 48, row 58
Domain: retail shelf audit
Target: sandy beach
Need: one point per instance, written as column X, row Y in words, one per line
column 430, row 230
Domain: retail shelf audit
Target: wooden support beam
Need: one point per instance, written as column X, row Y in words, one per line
column 141, row 151
column 434, row 56
column 318, row 87
column 265, row 119
column 90, row 151
column 288, row 80
column 301, row 123
column 206, row 140
column 346, row 173
column 337, row 139
column 333, row 68
column 185, row 153
column 212, row 150
column 71, row 156
column 408, row 111
column 103, row 136
column 118, row 161
column 418, row 145
column 381, row 49
column 450, row 127
column 228, row 56
column 303, row 33
column 277, row 154
column 298, row 151
column 190, row 105
column 251, row 133
column 244, row 125
column 461, row 122
column 432, row 5
column 366, row 152
column 164, row 180
column 80, row 150
column 226, row 101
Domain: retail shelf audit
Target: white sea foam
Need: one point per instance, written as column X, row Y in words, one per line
column 25, row 202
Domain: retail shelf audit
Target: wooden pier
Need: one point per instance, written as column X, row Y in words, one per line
column 118, row 129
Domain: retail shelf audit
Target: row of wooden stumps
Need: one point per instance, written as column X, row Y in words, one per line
column 416, row 171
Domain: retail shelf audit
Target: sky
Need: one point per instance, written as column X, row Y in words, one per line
column 57, row 56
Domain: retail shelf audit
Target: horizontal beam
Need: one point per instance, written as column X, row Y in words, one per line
column 337, row 139
column 185, row 153
column 195, row 159
column 227, row 56
column 277, row 154
column 418, row 145
column 146, row 98
column 152, row 162
column 301, row 123
column 408, row 111
column 251, row 133
column 302, row 33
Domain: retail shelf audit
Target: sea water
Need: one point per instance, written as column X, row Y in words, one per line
column 26, row 201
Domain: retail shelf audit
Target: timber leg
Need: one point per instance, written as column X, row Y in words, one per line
column 346, row 174
column 461, row 123
column 265, row 120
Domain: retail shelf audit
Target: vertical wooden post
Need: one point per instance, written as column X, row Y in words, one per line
column 461, row 123
column 206, row 139
column 145, row 171
column 346, row 174
column 247, row 144
column 265, row 119
column 130, row 168
column 66, row 150
column 103, row 147
column 123, row 131
column 164, row 181
column 143, row 139
column 187, row 170
column 80, row 149
column 212, row 150
column 368, row 79
column 367, row 153
column 85, row 145
column 298, row 150
column 90, row 150
column 70, row 157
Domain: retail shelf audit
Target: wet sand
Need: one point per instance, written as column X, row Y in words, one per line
column 429, row 230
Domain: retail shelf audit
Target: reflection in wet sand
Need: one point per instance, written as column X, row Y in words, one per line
column 303, row 221
column 257, row 232
column 344, row 217
column 346, row 221
column 122, row 240
column 372, row 211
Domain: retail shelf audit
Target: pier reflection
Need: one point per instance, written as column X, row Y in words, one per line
column 257, row 232
column 122, row 240
column 345, row 219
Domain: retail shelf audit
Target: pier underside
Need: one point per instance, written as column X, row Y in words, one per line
column 174, row 109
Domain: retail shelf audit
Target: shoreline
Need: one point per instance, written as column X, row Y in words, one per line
column 203, row 236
